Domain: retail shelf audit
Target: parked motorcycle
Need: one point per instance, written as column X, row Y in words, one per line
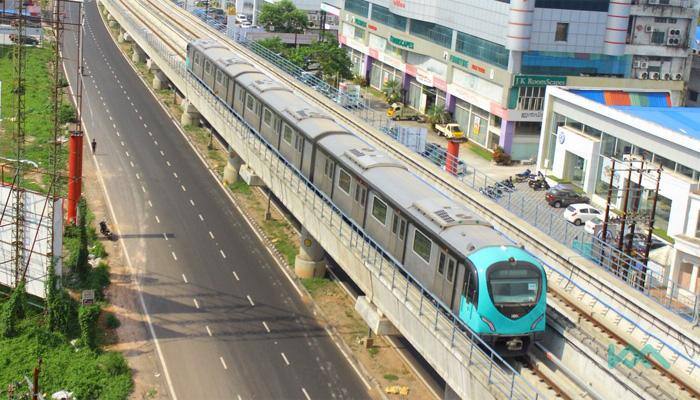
column 104, row 230
column 523, row 176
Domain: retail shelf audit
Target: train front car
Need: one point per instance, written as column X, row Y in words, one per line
column 505, row 298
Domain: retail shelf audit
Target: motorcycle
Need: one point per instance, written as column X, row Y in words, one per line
column 523, row 176
column 104, row 230
column 540, row 185
column 535, row 179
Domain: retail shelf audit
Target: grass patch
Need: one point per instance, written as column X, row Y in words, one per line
column 373, row 351
column 663, row 235
column 240, row 187
column 314, row 285
column 480, row 151
column 277, row 232
column 38, row 107
column 391, row 377
column 89, row 374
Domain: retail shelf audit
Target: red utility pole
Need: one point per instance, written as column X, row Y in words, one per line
column 75, row 174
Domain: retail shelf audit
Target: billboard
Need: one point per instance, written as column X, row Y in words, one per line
column 37, row 246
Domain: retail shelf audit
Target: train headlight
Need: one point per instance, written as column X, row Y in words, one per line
column 489, row 323
column 537, row 321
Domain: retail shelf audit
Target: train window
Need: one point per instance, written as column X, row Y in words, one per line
column 402, row 229
column 422, row 245
column 470, row 285
column 398, row 227
column 197, row 58
column 299, row 143
column 451, row 270
column 441, row 263
column 207, row 67
column 267, row 117
column 379, row 210
column 219, row 76
column 241, row 94
column 344, row 181
column 360, row 193
column 287, row 134
column 250, row 103
column 328, row 168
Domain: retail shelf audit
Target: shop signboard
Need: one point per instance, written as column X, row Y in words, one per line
column 538, row 80
column 401, row 42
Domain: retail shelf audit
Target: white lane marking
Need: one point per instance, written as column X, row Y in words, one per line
column 235, row 275
column 201, row 218
column 174, row 256
column 143, row 189
column 155, row 142
column 165, row 236
column 285, row 359
column 209, row 331
column 138, row 176
column 150, row 204
column 118, row 133
column 157, row 219
column 191, row 202
column 150, row 133
column 132, row 164
column 196, row 303
column 223, row 362
column 184, row 278
column 145, row 126
column 175, row 175
column 122, row 142
column 211, row 235
column 267, row 328
column 140, row 118
column 168, row 162
column 183, row 188
column 222, row 253
column 250, row 300
column 306, row 394
column 114, row 126
column 110, row 118
column 127, row 154
column 162, row 154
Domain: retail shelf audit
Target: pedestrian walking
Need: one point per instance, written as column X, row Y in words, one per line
column 93, row 145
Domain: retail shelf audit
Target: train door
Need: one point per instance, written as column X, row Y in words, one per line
column 298, row 150
column 445, row 278
column 359, row 200
column 470, row 294
column 398, row 235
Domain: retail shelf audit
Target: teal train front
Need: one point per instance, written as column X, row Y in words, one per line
column 504, row 298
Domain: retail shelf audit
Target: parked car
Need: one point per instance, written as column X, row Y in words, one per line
column 25, row 39
column 639, row 241
column 579, row 214
column 562, row 198
column 246, row 24
column 241, row 18
column 593, row 224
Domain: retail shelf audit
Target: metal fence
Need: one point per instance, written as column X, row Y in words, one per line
column 482, row 361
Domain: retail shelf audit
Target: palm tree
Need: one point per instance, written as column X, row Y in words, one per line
column 392, row 91
column 437, row 115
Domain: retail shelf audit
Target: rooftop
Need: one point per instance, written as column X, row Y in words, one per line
column 684, row 120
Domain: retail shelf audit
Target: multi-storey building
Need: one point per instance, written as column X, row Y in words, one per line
column 489, row 61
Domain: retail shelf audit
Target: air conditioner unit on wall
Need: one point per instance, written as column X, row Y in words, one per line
column 673, row 41
column 643, row 75
column 667, row 76
column 678, row 77
column 655, row 75
column 643, row 65
column 648, row 29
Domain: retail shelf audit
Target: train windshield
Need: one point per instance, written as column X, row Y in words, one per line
column 514, row 283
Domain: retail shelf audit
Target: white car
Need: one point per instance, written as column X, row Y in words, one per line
column 580, row 213
column 593, row 224
column 241, row 18
column 246, row 24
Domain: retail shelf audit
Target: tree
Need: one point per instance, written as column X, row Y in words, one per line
column 275, row 45
column 12, row 311
column 334, row 61
column 283, row 16
column 87, row 317
column 61, row 310
column 437, row 115
column 392, row 91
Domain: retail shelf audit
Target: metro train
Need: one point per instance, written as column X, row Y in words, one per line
column 497, row 289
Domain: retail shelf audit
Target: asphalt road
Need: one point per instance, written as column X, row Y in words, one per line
column 228, row 321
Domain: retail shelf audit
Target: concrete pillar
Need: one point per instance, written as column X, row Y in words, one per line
column 310, row 261
column 152, row 66
column 138, row 56
column 233, row 167
column 190, row 115
column 507, row 133
column 160, row 81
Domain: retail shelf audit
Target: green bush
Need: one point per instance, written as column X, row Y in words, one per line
column 12, row 312
column 62, row 314
column 66, row 114
column 81, row 262
column 87, row 316
column 113, row 364
column 500, row 157
column 112, row 322
column 98, row 280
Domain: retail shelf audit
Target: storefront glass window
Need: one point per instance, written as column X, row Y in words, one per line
column 622, row 148
column 602, row 180
column 590, row 131
column 646, row 154
column 574, row 125
column 359, row 7
column 481, row 49
column 607, row 145
column 682, row 169
column 386, row 17
column 665, row 162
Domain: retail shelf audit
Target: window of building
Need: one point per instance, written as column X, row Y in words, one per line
column 241, row 93
column 531, row 98
column 481, row 49
column 379, row 210
column 267, row 117
column 386, row 17
column 359, row 33
column 658, row 37
column 607, row 145
column 580, row 5
column 422, row 245
column 665, row 162
column 562, row 32
column 683, row 170
column 622, row 148
column 287, row 134
column 697, row 227
column 692, row 95
column 432, row 32
column 359, row 7
column 344, row 181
